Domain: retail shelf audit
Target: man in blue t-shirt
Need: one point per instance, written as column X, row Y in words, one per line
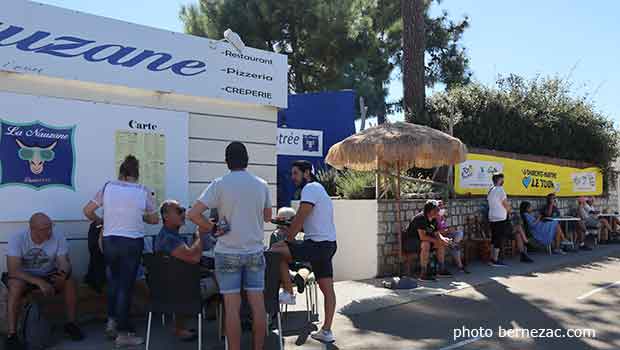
column 170, row 242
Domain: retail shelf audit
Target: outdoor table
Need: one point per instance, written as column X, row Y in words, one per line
column 566, row 220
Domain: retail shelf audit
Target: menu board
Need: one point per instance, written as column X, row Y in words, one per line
column 150, row 149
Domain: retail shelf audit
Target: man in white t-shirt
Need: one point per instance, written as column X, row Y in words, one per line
column 499, row 220
column 38, row 259
column 316, row 217
column 243, row 201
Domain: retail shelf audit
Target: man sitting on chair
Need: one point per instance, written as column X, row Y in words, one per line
column 38, row 259
column 169, row 242
column 425, row 225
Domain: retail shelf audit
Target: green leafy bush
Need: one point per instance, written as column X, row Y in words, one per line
column 356, row 184
column 327, row 178
column 541, row 116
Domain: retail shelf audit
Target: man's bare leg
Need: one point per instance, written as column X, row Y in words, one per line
column 259, row 319
column 329, row 295
column 425, row 248
column 16, row 292
column 69, row 289
column 232, row 303
column 286, row 258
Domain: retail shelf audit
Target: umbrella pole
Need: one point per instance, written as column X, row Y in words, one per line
column 398, row 220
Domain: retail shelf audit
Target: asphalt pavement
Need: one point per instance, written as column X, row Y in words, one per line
column 542, row 304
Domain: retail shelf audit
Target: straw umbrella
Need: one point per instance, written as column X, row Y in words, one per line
column 395, row 147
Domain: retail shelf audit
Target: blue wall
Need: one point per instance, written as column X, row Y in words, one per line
column 332, row 112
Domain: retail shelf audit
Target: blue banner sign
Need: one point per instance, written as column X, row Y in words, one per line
column 36, row 155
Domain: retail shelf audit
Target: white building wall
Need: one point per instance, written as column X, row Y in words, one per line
column 356, row 229
column 212, row 125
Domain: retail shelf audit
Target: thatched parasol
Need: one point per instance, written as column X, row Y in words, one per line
column 404, row 144
column 395, row 147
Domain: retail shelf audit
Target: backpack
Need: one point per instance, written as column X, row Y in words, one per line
column 36, row 330
column 96, row 276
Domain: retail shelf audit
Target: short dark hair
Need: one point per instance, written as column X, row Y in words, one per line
column 430, row 205
column 524, row 206
column 165, row 207
column 130, row 167
column 496, row 177
column 236, row 156
column 303, row 166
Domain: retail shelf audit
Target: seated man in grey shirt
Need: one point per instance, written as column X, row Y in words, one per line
column 38, row 258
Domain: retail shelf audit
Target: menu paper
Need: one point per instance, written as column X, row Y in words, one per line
column 150, row 149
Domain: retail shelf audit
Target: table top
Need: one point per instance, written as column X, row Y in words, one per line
column 565, row 218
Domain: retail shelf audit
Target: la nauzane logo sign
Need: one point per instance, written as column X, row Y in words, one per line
column 36, row 155
column 300, row 142
column 71, row 46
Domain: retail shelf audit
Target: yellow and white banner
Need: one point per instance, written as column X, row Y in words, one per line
column 525, row 178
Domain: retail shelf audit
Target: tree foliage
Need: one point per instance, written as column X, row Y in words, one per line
column 541, row 116
column 334, row 44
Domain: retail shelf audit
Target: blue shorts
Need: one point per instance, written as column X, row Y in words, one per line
column 233, row 271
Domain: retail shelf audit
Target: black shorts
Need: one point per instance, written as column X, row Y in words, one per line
column 318, row 254
column 500, row 231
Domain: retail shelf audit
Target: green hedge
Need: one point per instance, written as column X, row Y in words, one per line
column 541, row 116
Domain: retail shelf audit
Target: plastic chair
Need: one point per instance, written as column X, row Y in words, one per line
column 164, row 271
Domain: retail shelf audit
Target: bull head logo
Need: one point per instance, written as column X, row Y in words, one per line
column 36, row 156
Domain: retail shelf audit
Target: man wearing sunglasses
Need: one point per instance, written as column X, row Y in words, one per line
column 170, row 242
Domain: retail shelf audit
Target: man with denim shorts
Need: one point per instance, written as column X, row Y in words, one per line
column 316, row 217
column 244, row 202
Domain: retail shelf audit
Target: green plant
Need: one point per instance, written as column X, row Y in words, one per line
column 541, row 116
column 414, row 187
column 356, row 184
column 327, row 178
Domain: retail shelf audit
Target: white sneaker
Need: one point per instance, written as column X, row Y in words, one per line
column 110, row 329
column 287, row 298
column 559, row 252
column 323, row 336
column 128, row 339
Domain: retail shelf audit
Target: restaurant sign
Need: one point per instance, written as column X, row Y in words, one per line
column 525, row 178
column 37, row 39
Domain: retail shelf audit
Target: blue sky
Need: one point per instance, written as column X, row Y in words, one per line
column 552, row 37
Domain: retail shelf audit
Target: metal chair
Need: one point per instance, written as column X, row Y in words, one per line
column 174, row 288
column 311, row 294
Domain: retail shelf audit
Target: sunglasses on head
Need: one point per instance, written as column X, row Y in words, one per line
column 180, row 210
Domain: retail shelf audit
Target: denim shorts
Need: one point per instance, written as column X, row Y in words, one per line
column 234, row 271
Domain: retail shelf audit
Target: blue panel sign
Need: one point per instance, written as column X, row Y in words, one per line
column 36, row 155
column 311, row 124
column 310, row 143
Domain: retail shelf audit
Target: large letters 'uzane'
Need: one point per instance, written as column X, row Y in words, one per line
column 114, row 54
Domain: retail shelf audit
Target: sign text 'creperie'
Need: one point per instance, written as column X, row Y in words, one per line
column 39, row 39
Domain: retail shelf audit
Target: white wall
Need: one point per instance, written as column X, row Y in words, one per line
column 212, row 125
column 356, row 228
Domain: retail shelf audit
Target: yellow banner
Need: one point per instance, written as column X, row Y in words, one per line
column 525, row 178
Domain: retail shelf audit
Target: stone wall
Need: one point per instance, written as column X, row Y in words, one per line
column 458, row 211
